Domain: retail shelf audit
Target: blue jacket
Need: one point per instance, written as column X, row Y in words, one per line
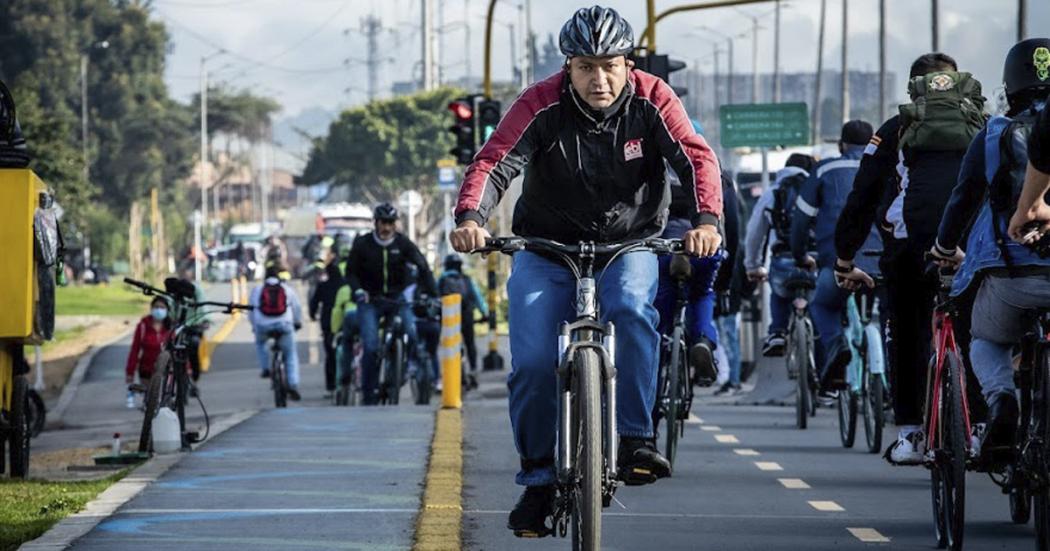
column 982, row 252
column 821, row 199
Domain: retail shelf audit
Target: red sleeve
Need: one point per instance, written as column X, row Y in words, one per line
column 506, row 152
column 685, row 151
column 136, row 348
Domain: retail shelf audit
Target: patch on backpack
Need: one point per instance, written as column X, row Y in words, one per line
column 942, row 83
column 632, row 150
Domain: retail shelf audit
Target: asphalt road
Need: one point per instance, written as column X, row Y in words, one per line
column 768, row 486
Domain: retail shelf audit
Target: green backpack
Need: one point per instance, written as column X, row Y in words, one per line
column 946, row 113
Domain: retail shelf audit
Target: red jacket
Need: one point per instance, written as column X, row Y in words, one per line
column 145, row 347
column 593, row 176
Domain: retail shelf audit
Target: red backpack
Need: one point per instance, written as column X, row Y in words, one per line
column 273, row 301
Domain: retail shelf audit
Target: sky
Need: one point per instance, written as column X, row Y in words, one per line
column 305, row 53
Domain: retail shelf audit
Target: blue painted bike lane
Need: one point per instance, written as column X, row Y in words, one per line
column 299, row 478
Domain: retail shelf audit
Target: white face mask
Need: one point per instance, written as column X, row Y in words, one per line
column 159, row 314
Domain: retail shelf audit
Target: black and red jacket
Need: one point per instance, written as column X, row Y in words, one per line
column 592, row 175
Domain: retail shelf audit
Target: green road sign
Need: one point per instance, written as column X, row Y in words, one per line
column 764, row 125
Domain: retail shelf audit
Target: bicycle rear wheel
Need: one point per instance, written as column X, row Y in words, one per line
column 151, row 402
column 847, row 404
column 19, row 434
column 950, row 462
column 1041, row 429
column 280, row 386
column 396, row 372
column 587, row 509
column 874, row 416
column 674, row 398
column 801, row 355
column 37, row 414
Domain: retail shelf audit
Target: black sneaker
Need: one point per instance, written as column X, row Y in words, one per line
column 529, row 517
column 265, row 374
column 997, row 446
column 640, row 463
column 702, row 361
column 728, row 389
column 293, row 393
column 774, row 345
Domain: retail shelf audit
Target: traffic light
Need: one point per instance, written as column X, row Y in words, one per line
column 464, row 129
column 488, row 118
column 661, row 66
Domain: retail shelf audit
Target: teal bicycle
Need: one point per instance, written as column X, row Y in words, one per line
column 866, row 372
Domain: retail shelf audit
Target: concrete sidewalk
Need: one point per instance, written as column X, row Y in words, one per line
column 299, row 478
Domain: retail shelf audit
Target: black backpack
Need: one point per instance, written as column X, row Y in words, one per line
column 784, row 198
column 273, row 301
column 13, row 153
column 457, row 284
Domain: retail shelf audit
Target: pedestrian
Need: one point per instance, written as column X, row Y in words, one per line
column 146, row 344
column 729, row 289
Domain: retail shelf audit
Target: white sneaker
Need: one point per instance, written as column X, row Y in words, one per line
column 977, row 433
column 910, row 448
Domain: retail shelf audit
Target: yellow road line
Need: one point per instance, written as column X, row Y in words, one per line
column 225, row 330
column 868, row 535
column 441, row 511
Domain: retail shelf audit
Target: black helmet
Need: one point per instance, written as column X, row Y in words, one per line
column 386, row 212
column 596, row 32
column 1027, row 66
column 453, row 262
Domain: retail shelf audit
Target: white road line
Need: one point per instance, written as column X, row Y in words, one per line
column 671, row 515
column 793, row 483
column 726, row 439
column 768, row 466
column 694, row 420
column 747, row 452
column 826, row 506
column 711, row 428
column 868, row 535
column 284, row 511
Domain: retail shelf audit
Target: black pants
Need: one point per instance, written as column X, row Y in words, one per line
column 468, row 342
column 329, row 358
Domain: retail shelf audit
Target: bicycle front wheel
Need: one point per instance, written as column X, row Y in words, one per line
column 1040, row 426
column 674, row 397
column 587, row 509
column 151, row 403
column 280, row 386
column 800, row 355
column 847, row 417
column 950, row 455
column 19, row 435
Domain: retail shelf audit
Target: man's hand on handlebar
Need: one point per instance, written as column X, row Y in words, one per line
column 950, row 260
column 702, row 240
column 854, row 278
column 468, row 237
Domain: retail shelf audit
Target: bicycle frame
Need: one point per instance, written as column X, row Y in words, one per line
column 860, row 331
column 944, row 342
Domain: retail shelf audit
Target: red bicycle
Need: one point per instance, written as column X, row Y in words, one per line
column 947, row 424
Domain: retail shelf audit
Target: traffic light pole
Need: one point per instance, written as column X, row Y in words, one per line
column 493, row 360
column 649, row 36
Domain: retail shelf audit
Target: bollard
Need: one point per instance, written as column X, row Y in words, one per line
column 449, row 352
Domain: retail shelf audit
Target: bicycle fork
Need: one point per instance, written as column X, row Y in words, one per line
column 606, row 350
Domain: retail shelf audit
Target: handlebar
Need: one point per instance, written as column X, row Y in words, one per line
column 146, row 288
column 150, row 290
column 510, row 245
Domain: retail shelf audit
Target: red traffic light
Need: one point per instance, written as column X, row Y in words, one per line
column 462, row 110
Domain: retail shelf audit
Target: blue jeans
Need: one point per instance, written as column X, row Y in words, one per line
column 542, row 295
column 780, row 269
column 829, row 301
column 729, row 335
column 288, row 348
column 1003, row 312
column 368, row 315
column 700, row 309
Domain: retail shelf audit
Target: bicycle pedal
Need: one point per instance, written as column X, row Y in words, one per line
column 637, row 476
column 531, row 533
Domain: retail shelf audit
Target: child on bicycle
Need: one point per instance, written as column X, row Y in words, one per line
column 146, row 344
column 276, row 308
column 1011, row 280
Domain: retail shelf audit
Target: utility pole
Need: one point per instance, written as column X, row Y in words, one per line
column 934, row 23
column 754, row 59
column 845, row 61
column 729, row 81
column 428, row 44
column 820, row 70
column 531, row 63
column 776, row 54
column 1022, row 19
column 371, row 26
column 882, row 60
column 83, row 114
column 523, row 60
column 203, row 173
column 466, row 42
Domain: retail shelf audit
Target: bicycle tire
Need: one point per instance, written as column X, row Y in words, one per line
column 1020, row 498
column 151, row 402
column 1041, row 417
column 422, row 379
column 396, row 374
column 587, row 512
column 874, row 414
column 847, row 405
column 673, row 398
column 37, row 414
column 951, row 459
column 19, row 434
column 801, row 359
column 280, row 388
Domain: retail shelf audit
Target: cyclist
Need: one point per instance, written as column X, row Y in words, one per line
column 591, row 140
column 321, row 303
column 146, row 345
column 817, row 208
column 276, row 308
column 728, row 290
column 377, row 270
column 905, row 184
column 770, row 228
column 1031, row 207
column 428, row 326
column 454, row 281
column 1012, row 281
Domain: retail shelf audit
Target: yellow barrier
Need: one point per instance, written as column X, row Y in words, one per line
column 449, row 352
column 19, row 193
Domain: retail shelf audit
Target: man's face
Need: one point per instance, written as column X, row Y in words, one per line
column 598, row 80
column 385, row 229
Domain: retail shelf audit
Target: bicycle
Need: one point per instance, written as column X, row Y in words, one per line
column 16, row 429
column 586, row 455
column 674, row 388
column 348, row 381
column 946, row 421
column 865, row 374
column 393, row 360
column 278, row 374
column 799, row 356
column 170, row 384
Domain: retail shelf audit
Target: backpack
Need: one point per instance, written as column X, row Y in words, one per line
column 457, row 284
column 784, row 197
column 1006, row 183
column 13, row 153
column 273, row 301
column 946, row 114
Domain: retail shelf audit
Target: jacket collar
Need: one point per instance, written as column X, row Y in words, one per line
column 598, row 117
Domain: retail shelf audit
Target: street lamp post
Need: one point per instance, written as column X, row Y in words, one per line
column 84, row 103
column 198, row 250
column 729, row 46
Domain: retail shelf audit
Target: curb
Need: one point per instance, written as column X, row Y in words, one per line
column 69, row 391
column 68, row 530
